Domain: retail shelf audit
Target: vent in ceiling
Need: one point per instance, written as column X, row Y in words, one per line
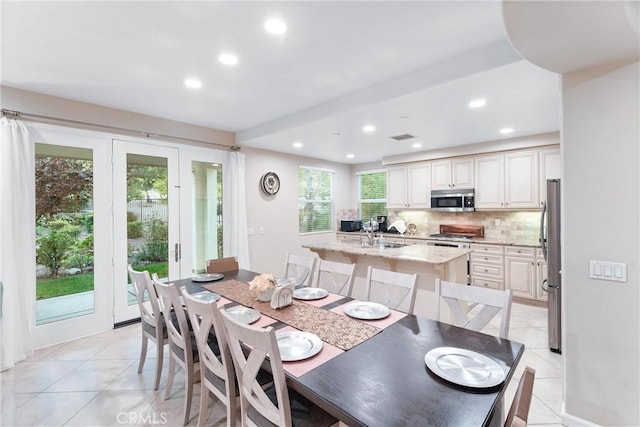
column 402, row 137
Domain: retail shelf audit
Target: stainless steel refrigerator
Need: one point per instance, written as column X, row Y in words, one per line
column 550, row 242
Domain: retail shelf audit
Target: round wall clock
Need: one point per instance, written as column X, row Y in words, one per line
column 270, row 183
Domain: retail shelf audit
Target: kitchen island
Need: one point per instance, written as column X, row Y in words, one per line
column 430, row 262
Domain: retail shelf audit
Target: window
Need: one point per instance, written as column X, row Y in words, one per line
column 372, row 190
column 315, row 200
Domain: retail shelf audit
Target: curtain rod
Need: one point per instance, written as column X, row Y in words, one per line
column 49, row 119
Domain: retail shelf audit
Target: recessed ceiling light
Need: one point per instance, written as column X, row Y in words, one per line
column 416, row 145
column 350, row 156
column 193, row 83
column 505, row 131
column 402, row 117
column 336, row 134
column 228, row 59
column 275, row 26
column 478, row 103
column 297, row 144
column 369, row 128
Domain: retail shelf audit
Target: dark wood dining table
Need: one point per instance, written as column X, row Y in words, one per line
column 384, row 381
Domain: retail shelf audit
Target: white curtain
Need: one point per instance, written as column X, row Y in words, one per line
column 17, row 241
column 239, row 240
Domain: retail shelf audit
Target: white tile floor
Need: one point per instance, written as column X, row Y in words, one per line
column 93, row 381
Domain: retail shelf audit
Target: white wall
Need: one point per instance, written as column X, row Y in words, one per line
column 601, row 222
column 274, row 219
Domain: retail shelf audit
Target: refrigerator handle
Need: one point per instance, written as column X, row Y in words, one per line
column 543, row 240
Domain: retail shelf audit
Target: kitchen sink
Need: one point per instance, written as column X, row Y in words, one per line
column 394, row 245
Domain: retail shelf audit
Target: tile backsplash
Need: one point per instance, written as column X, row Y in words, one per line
column 519, row 225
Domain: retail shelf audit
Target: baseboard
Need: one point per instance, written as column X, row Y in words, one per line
column 571, row 420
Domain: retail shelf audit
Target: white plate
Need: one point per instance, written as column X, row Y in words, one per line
column 207, row 277
column 310, row 293
column 298, row 345
column 205, row 296
column 244, row 314
column 464, row 367
column 366, row 310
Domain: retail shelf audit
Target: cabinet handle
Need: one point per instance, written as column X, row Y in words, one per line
column 531, row 262
column 501, row 204
column 486, row 259
column 486, row 271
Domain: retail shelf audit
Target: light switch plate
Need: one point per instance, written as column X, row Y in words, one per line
column 611, row 271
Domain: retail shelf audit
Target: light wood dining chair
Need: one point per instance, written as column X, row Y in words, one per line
column 301, row 267
column 473, row 307
column 151, row 320
column 275, row 405
column 335, row 277
column 222, row 265
column 183, row 350
column 216, row 371
column 519, row 411
column 393, row 289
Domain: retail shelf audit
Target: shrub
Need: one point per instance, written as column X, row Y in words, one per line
column 134, row 229
column 153, row 252
column 131, row 216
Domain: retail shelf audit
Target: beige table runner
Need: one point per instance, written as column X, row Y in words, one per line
column 340, row 331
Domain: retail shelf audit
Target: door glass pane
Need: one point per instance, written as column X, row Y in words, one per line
column 147, row 216
column 64, row 233
column 207, row 213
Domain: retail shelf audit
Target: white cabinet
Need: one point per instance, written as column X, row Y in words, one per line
column 520, row 271
column 507, row 181
column 521, row 180
column 456, row 173
column 541, row 276
column 489, row 190
column 409, row 186
column 550, row 168
column 486, row 266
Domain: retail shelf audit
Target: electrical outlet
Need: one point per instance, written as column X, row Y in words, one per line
column 497, row 222
column 611, row 271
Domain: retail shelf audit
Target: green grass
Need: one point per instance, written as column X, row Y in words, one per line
column 69, row 285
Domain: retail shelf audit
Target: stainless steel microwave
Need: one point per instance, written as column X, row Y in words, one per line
column 454, row 200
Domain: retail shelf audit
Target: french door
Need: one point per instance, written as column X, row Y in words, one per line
column 146, row 215
column 105, row 203
column 73, row 235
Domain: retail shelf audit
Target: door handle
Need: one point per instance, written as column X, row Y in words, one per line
column 177, row 251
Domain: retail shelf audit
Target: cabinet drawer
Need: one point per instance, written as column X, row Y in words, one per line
column 486, row 258
column 520, row 251
column 394, row 240
column 487, row 283
column 486, row 269
column 350, row 237
column 487, row 249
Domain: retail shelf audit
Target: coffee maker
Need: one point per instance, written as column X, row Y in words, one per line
column 382, row 223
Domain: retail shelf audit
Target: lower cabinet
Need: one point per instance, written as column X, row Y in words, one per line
column 525, row 270
column 486, row 265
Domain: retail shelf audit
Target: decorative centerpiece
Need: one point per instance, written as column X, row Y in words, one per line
column 263, row 286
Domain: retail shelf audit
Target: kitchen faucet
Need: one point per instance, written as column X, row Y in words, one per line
column 370, row 229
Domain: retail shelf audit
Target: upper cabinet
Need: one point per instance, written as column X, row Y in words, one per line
column 550, row 168
column 489, row 182
column 507, row 181
column 521, row 180
column 455, row 173
column 409, row 187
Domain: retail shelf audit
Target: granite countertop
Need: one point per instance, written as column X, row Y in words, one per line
column 485, row 240
column 418, row 253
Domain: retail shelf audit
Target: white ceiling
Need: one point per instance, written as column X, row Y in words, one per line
column 339, row 66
